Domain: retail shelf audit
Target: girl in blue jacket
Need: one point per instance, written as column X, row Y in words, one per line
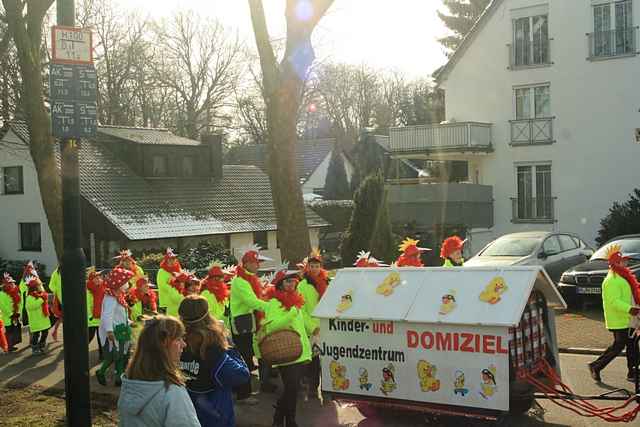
column 211, row 367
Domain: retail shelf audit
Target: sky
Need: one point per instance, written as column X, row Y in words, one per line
column 398, row 35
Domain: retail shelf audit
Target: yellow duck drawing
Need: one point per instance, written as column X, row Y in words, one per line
column 391, row 281
column 427, row 374
column 338, row 379
column 346, row 301
column 493, row 290
column 448, row 303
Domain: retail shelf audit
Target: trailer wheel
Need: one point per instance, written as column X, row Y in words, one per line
column 520, row 397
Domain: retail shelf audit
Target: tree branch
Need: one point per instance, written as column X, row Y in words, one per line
column 263, row 43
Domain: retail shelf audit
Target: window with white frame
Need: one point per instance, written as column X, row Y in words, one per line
column 531, row 40
column 534, row 199
column 533, row 102
column 12, row 180
column 613, row 30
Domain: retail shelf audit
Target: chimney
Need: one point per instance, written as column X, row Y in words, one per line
column 214, row 142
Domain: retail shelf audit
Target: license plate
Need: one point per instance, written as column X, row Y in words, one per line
column 589, row 291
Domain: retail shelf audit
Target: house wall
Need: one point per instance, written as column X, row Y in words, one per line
column 595, row 104
column 27, row 207
column 319, row 176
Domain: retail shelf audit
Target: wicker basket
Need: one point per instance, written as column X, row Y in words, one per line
column 281, row 347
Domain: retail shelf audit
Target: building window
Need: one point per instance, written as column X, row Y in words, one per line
column 12, row 179
column 261, row 239
column 613, row 30
column 30, row 236
column 534, row 200
column 530, row 41
column 533, row 123
column 160, row 166
column 188, row 166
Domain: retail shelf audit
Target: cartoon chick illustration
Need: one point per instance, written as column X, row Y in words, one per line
column 427, row 374
column 388, row 382
column 458, row 384
column 391, row 281
column 338, row 374
column 448, row 303
column 488, row 386
column 364, row 379
column 493, row 290
column 346, row 301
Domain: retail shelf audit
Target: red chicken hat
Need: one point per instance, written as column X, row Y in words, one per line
column 8, row 280
column 450, row 245
column 252, row 254
column 410, row 247
column 215, row 269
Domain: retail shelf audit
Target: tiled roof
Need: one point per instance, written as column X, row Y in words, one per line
column 146, row 135
column 167, row 208
column 309, row 155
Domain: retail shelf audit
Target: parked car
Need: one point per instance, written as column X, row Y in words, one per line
column 556, row 252
column 583, row 283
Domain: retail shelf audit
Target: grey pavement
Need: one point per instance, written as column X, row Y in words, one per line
column 48, row 372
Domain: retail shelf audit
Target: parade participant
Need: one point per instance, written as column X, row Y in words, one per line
column 365, row 259
column 176, row 291
column 169, row 266
column 55, row 286
column 211, row 367
column 620, row 300
column 216, row 292
column 37, row 305
column 153, row 392
column 126, row 260
column 114, row 331
column 312, row 288
column 451, row 251
column 192, row 287
column 245, row 308
column 95, row 297
column 4, row 344
column 28, row 271
column 229, row 273
column 284, row 311
column 11, row 306
column 411, row 252
column 142, row 300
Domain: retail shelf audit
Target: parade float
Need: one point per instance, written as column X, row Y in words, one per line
column 476, row 342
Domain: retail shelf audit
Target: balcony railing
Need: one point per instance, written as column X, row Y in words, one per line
column 612, row 43
column 533, row 209
column 462, row 136
column 532, row 131
column 527, row 53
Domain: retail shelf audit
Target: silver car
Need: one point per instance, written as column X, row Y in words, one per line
column 555, row 251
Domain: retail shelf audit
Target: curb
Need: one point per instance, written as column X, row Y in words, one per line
column 587, row 351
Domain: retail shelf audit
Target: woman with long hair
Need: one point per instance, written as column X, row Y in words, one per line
column 212, row 368
column 153, row 392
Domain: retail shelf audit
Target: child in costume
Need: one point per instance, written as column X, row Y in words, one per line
column 451, row 252
column 169, row 266
column 95, row 297
column 37, row 305
column 142, row 300
column 312, row 288
column 55, row 286
column 411, row 252
column 366, row 260
column 216, row 292
column 28, row 272
column 11, row 306
column 115, row 332
column 177, row 291
column 126, row 260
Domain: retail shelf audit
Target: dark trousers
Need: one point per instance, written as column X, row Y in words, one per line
column 264, row 370
column 14, row 335
column 39, row 339
column 312, row 373
column 244, row 345
column 93, row 331
column 621, row 338
column 286, row 406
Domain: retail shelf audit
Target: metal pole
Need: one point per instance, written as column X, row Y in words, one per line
column 74, row 293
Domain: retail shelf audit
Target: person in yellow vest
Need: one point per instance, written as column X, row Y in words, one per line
column 312, row 287
column 284, row 310
column 126, row 260
column 37, row 305
column 246, row 308
column 11, row 306
column 451, row 252
column 216, row 292
column 142, row 299
column 620, row 301
column 55, row 286
column 28, row 271
column 95, row 297
column 177, row 291
column 169, row 266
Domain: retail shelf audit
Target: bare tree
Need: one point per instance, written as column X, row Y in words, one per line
column 199, row 61
column 25, row 21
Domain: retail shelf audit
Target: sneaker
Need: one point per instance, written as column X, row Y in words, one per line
column 249, row 401
column 102, row 380
column 595, row 374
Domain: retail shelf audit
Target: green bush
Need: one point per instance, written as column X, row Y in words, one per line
column 150, row 261
column 198, row 258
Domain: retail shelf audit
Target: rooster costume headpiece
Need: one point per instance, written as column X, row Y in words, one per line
column 450, row 245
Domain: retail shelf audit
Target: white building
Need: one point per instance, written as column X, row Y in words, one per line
column 543, row 103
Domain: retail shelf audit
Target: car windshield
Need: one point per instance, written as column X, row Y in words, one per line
column 630, row 247
column 512, row 246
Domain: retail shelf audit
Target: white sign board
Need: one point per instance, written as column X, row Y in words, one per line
column 442, row 364
column 71, row 45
